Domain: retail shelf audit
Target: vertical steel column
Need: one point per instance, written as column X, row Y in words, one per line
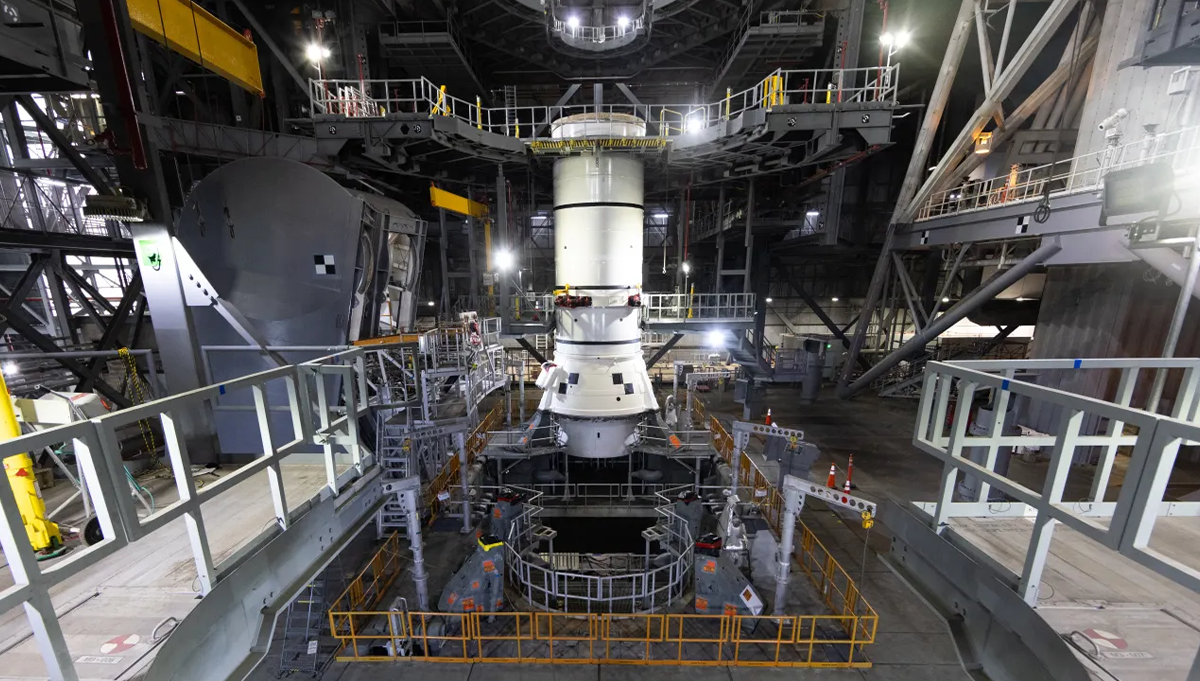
column 460, row 439
column 916, row 170
column 793, row 503
column 720, row 238
column 443, row 242
column 1181, row 308
column 502, row 237
column 472, row 247
column 746, row 285
column 409, row 490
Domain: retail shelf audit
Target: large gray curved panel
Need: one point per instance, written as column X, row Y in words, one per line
column 290, row 249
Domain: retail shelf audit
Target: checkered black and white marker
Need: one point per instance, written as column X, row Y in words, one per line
column 1023, row 224
column 324, row 264
column 924, row 237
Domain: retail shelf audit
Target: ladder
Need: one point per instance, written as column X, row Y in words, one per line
column 510, row 109
column 306, row 621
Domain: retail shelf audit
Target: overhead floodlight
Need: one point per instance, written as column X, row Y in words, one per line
column 834, row 299
column 10, row 368
column 687, row 267
column 714, row 339
column 887, row 39
column 573, row 22
column 316, row 52
column 813, row 213
column 660, row 216
column 503, row 260
column 769, row 300
column 902, row 38
column 694, row 123
column 945, row 300
column 115, row 207
column 430, row 303
column 623, row 21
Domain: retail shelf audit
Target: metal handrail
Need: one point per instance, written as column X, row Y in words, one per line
column 375, row 98
column 1077, row 175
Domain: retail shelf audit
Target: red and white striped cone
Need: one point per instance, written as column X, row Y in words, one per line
column 768, row 419
column 832, row 482
column 849, row 472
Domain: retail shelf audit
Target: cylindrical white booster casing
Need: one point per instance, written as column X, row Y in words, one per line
column 598, row 384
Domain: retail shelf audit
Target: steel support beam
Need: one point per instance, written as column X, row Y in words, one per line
column 821, row 314
column 913, row 175
column 113, row 333
column 966, row 306
column 45, row 344
column 533, row 352
column 1055, row 14
column 25, row 284
column 64, row 146
column 562, row 101
column 262, row 35
column 666, row 347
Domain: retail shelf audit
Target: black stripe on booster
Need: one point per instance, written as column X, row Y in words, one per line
column 617, row 342
column 600, row 204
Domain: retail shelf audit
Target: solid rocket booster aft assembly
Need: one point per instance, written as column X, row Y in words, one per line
column 597, row 384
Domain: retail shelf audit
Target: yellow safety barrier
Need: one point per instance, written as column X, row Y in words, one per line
column 606, row 638
column 188, row 29
column 835, row 640
column 448, row 478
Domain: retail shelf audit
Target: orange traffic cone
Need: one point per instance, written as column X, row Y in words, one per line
column 768, row 419
column 849, row 472
column 832, row 482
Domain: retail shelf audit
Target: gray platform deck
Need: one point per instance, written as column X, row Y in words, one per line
column 131, row 591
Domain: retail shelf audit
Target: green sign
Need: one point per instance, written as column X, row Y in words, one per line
column 149, row 254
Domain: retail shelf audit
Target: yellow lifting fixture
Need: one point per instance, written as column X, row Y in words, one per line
column 188, row 29
column 18, row 468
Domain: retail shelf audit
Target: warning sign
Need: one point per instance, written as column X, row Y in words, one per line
column 119, row 644
column 710, row 566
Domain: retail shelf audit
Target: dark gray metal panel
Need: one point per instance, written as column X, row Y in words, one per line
column 1074, row 213
column 992, row 627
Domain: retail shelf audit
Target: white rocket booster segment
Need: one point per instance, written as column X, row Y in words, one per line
column 598, row 384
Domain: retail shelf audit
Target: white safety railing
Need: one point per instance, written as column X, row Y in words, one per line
column 644, row 590
column 975, row 451
column 320, row 422
column 698, row 308
column 573, row 31
column 1080, row 174
column 805, row 87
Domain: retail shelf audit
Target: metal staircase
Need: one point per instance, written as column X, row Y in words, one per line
column 394, row 448
column 307, row 645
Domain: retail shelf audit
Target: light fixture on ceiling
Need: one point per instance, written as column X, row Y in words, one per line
column 573, row 22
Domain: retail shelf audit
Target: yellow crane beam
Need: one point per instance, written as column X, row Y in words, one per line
column 440, row 198
column 186, row 28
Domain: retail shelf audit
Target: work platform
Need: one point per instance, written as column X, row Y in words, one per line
column 1051, row 199
column 791, row 118
column 1103, row 567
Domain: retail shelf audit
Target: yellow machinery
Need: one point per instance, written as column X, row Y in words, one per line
column 43, row 534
